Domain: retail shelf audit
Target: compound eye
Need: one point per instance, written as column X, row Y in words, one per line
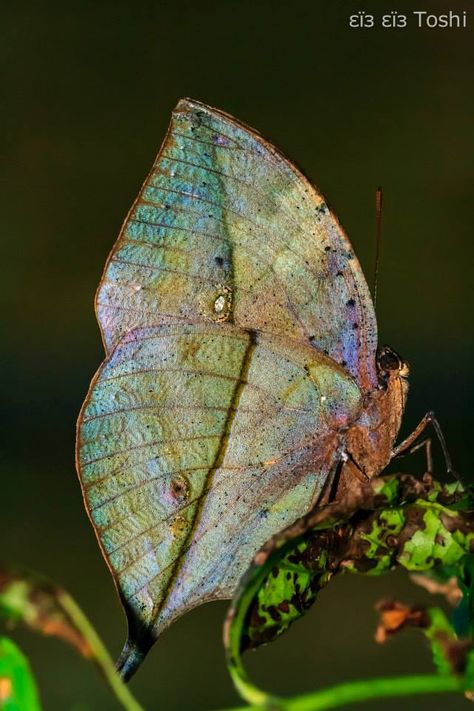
column 389, row 360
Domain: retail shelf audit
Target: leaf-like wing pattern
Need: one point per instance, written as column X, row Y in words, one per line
column 240, row 341
column 195, row 445
column 223, row 213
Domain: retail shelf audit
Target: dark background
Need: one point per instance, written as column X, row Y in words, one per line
column 86, row 93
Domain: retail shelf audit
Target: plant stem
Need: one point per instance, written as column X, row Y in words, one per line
column 100, row 654
column 365, row 690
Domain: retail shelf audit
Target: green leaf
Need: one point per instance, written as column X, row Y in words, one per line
column 18, row 690
column 393, row 522
column 464, row 614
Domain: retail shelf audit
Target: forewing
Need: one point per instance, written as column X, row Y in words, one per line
column 195, row 445
column 225, row 228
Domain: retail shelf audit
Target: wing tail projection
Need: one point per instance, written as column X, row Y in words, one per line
column 132, row 655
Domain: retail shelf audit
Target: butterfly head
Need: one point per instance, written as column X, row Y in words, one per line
column 390, row 366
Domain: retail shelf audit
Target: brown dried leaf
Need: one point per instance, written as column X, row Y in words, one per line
column 40, row 605
column 394, row 616
column 449, row 589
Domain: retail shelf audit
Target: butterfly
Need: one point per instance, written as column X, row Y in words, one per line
column 242, row 383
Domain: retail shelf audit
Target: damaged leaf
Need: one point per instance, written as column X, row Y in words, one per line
column 371, row 532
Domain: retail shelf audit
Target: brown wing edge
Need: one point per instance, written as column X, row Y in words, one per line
column 140, row 637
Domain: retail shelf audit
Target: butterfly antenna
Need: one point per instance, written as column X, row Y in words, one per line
column 378, row 240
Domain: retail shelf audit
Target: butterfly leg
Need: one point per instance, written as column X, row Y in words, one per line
column 329, row 493
column 406, row 447
column 341, row 480
column 427, row 444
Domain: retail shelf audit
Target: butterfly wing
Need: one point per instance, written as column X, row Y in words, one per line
column 196, row 444
column 224, row 214
column 240, row 340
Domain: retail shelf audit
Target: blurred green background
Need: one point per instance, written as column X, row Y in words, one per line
column 87, row 89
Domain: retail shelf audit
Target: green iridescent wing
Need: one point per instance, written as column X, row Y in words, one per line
column 240, row 339
column 223, row 213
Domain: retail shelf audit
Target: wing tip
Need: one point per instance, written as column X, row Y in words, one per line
column 131, row 658
column 186, row 105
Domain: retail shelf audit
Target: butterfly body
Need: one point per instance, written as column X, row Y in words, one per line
column 370, row 440
column 241, row 378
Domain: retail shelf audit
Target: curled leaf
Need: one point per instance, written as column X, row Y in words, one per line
column 389, row 522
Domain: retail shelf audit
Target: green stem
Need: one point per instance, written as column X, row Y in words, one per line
column 100, row 654
column 248, row 691
column 357, row 691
